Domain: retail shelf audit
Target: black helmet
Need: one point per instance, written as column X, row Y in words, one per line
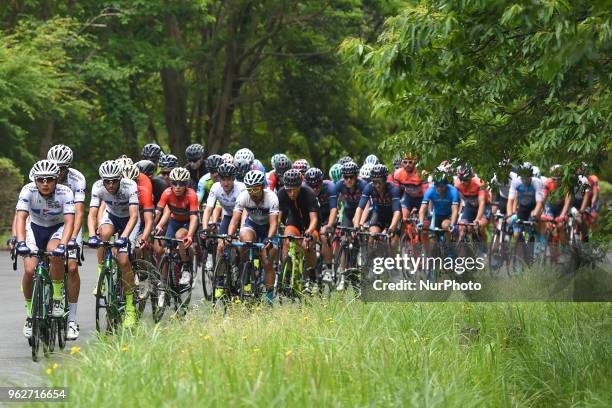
column 282, row 164
column 213, row 162
column 397, row 161
column 146, row 167
column 441, row 176
column 227, row 170
column 350, row 169
column 151, row 152
column 242, row 168
column 292, row 178
column 379, row 171
column 464, row 172
column 194, row 152
column 168, row 162
column 313, row 176
column 345, row 159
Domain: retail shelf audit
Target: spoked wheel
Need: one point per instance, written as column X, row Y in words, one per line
column 104, row 319
column 498, row 255
column 47, row 328
column 36, row 320
column 163, row 296
column 249, row 287
column 148, row 278
column 221, row 284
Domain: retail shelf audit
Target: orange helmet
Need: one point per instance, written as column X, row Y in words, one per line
column 410, row 156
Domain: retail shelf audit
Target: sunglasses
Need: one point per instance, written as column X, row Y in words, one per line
column 404, row 162
column 45, row 180
column 178, row 183
column 349, row 177
column 111, row 181
column 440, row 185
column 254, row 190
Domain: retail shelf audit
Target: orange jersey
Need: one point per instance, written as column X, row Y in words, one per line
column 145, row 192
column 182, row 207
column 470, row 193
column 593, row 182
column 411, row 182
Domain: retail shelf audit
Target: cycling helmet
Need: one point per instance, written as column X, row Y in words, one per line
column 168, row 162
column 213, row 162
column 146, row 166
column 242, row 168
column 313, row 176
column 397, row 161
column 44, row 168
column 124, row 161
column 379, row 171
column 227, row 158
column 526, row 170
column 371, row 159
column 60, row 154
column 301, row 165
column 131, row 172
column 227, row 170
column 345, row 159
column 179, row 174
column 110, row 169
column 292, row 178
column 441, row 176
column 350, row 169
column 335, row 172
column 583, row 168
column 274, row 159
column 556, row 171
column 365, row 170
column 151, row 152
column 282, row 164
column 245, row 154
column 194, row 152
column 410, row 156
column 254, row 178
column 464, row 172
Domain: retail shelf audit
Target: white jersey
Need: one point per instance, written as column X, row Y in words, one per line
column 118, row 204
column 228, row 201
column 258, row 213
column 76, row 181
column 527, row 195
column 46, row 212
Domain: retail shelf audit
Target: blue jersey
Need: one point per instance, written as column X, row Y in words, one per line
column 327, row 197
column 389, row 202
column 350, row 197
column 442, row 205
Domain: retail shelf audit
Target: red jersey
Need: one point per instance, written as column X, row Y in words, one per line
column 411, row 182
column 594, row 182
column 470, row 193
column 180, row 207
column 145, row 193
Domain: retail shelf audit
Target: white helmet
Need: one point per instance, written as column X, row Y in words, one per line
column 110, row 169
column 131, row 172
column 244, row 154
column 371, row 159
column 364, row 171
column 179, row 174
column 254, row 178
column 60, row 154
column 124, row 161
column 227, row 158
column 44, row 168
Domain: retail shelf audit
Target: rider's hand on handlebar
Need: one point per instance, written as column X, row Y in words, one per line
column 188, row 241
column 11, row 241
column 120, row 242
column 59, row 250
column 22, row 248
column 72, row 244
column 93, row 241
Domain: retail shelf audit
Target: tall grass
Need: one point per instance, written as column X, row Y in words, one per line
column 342, row 352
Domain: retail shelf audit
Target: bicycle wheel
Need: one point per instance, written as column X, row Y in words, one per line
column 283, row 288
column 164, row 296
column 496, row 255
column 62, row 323
column 104, row 320
column 246, row 281
column 37, row 312
column 148, row 278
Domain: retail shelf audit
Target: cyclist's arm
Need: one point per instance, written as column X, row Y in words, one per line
column 20, row 224
column 481, row 206
column 207, row 211
column 132, row 221
column 164, row 218
column 148, row 220
column 216, row 215
column 273, row 225
column 454, row 213
column 314, row 219
column 193, row 225
column 236, row 217
column 364, row 214
column 14, row 226
column 79, row 212
column 397, row 216
column 566, row 205
column 101, row 212
column 68, row 225
column 92, row 221
column 422, row 211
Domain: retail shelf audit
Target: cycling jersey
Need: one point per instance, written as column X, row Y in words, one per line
column 297, row 212
column 388, row 203
column 442, row 204
column 76, row 181
column 593, row 182
column 227, row 200
column 159, row 185
column 257, row 165
column 411, row 183
column 327, row 199
column 528, row 195
column 274, row 181
column 204, row 186
column 181, row 208
column 470, row 193
column 145, row 192
column 350, row 197
column 119, row 204
column 258, row 213
column 46, row 212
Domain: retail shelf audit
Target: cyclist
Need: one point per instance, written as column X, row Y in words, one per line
column 525, row 201
column 120, row 216
column 260, row 223
column 242, row 168
column 280, row 165
column 385, row 205
column 299, row 211
column 502, row 185
column 326, row 195
column 364, row 172
column 556, row 207
column 444, row 199
column 50, row 207
column 349, row 192
column 408, row 179
column 204, row 185
column 179, row 204
column 161, row 182
column 145, row 199
column 151, row 152
column 475, row 196
column 593, row 181
column 62, row 156
column 196, row 163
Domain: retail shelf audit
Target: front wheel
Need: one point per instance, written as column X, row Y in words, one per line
column 104, row 319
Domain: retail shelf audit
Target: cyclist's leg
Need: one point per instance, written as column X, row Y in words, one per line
column 74, row 280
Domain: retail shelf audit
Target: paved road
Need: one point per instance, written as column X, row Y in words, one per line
column 16, row 365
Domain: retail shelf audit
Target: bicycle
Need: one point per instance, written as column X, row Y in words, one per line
column 378, row 248
column 348, row 259
column 169, row 290
column 410, row 243
column 522, row 252
column 221, row 285
column 45, row 327
column 499, row 254
column 289, row 276
column 110, row 292
column 209, row 254
column 251, row 278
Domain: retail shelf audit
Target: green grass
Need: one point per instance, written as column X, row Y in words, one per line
column 343, row 352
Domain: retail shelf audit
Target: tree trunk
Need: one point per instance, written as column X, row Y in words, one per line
column 47, row 139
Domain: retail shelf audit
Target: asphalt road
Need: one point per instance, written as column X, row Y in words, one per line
column 16, row 365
